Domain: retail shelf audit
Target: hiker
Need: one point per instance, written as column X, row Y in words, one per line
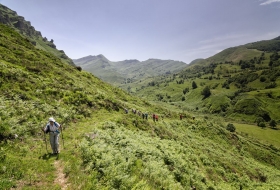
column 146, row 115
column 156, row 116
column 181, row 117
column 52, row 128
column 143, row 115
column 126, row 110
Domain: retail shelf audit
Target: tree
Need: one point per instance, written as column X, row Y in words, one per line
column 262, row 79
column 185, row 90
column 206, row 92
column 231, row 127
column 259, row 120
column 273, row 124
column 194, row 85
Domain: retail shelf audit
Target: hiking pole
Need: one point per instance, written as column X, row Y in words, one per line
column 45, row 141
column 62, row 137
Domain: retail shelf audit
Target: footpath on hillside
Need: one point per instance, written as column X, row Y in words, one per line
column 61, row 178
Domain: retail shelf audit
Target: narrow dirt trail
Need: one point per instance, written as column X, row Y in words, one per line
column 61, row 179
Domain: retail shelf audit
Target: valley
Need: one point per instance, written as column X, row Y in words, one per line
column 227, row 136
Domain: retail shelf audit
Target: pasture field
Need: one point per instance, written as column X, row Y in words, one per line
column 265, row 135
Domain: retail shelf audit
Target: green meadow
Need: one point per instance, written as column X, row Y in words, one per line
column 265, row 135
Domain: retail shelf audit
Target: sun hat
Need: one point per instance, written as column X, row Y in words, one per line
column 51, row 119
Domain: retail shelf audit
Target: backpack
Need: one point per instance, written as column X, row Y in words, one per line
column 48, row 128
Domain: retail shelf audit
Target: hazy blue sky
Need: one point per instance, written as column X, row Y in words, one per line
column 141, row 29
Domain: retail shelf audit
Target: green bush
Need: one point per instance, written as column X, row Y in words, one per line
column 262, row 125
column 259, row 120
column 4, row 130
column 231, row 127
column 262, row 79
column 272, row 123
column 206, row 92
column 194, row 85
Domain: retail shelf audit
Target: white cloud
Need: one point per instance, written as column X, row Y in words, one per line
column 267, row 2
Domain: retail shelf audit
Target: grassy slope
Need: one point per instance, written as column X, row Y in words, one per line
column 105, row 148
column 266, row 135
column 224, row 101
column 168, row 154
column 28, row 31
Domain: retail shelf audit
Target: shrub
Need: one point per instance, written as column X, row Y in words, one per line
column 231, row 127
column 206, row 92
column 194, row 85
column 271, row 85
column 273, row 123
column 4, row 130
column 262, row 125
column 185, row 90
column 262, row 79
column 259, row 120
column 79, row 68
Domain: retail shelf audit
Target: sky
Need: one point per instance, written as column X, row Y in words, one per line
column 181, row 30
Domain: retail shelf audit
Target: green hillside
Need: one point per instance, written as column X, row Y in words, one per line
column 123, row 73
column 240, row 83
column 12, row 19
column 104, row 148
column 101, row 67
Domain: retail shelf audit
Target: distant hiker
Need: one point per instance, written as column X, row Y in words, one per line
column 126, row 110
column 134, row 111
column 146, row 115
column 143, row 115
column 193, row 117
column 181, row 117
column 52, row 128
column 156, row 116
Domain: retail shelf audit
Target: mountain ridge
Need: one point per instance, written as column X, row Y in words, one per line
column 12, row 19
column 127, row 71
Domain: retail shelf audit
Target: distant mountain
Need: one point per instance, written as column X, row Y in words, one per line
column 10, row 18
column 127, row 71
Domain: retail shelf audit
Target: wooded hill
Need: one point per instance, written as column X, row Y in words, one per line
column 127, row 71
column 240, row 83
column 104, row 148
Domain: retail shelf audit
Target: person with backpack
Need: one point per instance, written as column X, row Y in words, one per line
column 52, row 128
column 156, row 117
